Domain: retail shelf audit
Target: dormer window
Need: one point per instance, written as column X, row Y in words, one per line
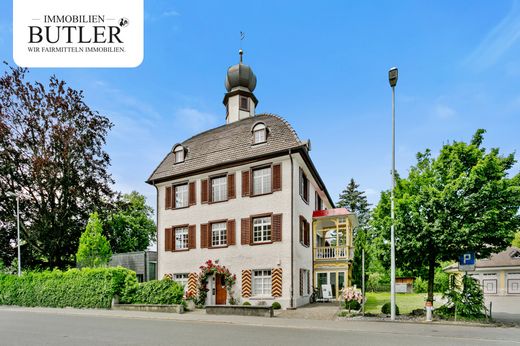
column 259, row 133
column 515, row 255
column 178, row 151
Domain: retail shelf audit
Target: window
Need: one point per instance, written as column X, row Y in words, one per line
column 182, row 279
column 262, row 181
column 259, row 133
column 181, row 196
column 179, row 153
column 181, row 238
column 244, row 103
column 304, row 186
column 305, row 282
column 515, row 255
column 318, row 202
column 218, row 234
column 262, row 283
column 219, row 189
column 304, row 231
column 261, row 229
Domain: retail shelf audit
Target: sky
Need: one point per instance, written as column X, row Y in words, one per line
column 323, row 66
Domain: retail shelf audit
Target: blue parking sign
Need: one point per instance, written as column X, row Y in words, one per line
column 467, row 261
column 467, row 258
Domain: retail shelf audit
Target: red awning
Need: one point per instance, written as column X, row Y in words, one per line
column 331, row 212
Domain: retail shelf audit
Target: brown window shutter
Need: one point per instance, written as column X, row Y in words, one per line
column 276, row 282
column 192, row 237
column 308, row 281
column 306, row 233
column 231, row 186
column 168, row 239
column 301, row 281
column 192, row 197
column 302, row 229
column 231, row 232
column 204, row 235
column 246, row 231
column 277, row 227
column 246, row 283
column 168, row 198
column 245, row 184
column 277, row 177
column 173, row 239
column 204, row 191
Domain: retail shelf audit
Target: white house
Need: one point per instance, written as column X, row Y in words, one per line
column 242, row 194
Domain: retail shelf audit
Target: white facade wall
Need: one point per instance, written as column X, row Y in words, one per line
column 240, row 257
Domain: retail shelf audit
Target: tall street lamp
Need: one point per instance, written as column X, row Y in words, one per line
column 12, row 194
column 392, row 78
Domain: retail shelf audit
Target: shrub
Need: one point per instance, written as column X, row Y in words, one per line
column 420, row 285
column 276, row 306
column 246, row 303
column 467, row 301
column 163, row 291
column 78, row 288
column 385, row 309
column 352, row 305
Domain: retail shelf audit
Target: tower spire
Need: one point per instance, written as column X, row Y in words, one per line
column 241, row 53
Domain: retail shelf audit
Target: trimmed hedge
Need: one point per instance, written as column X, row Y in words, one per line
column 165, row 291
column 77, row 288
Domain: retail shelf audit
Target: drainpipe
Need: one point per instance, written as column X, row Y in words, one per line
column 292, row 231
column 157, row 227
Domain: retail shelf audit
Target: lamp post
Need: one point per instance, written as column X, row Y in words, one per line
column 392, row 78
column 12, row 194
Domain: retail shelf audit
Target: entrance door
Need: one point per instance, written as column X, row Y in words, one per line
column 329, row 278
column 220, row 290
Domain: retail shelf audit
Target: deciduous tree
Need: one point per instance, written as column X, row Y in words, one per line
column 52, row 154
column 462, row 200
column 94, row 249
column 130, row 226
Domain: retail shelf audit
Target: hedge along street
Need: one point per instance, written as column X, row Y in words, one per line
column 78, row 288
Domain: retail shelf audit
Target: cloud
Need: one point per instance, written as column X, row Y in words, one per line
column 498, row 41
column 194, row 119
column 444, row 112
column 171, row 13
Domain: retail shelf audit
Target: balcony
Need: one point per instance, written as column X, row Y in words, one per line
column 331, row 253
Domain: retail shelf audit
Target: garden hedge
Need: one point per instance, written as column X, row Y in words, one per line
column 77, row 288
column 165, row 291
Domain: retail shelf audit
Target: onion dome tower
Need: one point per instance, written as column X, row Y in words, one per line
column 239, row 100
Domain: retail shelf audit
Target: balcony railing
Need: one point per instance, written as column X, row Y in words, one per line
column 331, row 252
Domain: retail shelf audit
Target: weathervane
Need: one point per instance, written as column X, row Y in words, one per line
column 241, row 52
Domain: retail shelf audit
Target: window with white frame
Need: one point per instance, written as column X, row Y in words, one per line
column 181, row 196
column 181, row 238
column 218, row 234
column 219, row 189
column 179, row 153
column 181, row 279
column 259, row 133
column 262, row 181
column 261, row 229
column 262, row 283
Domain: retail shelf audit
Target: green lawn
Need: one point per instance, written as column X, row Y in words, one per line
column 405, row 301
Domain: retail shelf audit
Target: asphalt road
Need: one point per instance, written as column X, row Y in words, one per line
column 36, row 328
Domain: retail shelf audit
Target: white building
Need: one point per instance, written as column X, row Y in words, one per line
column 241, row 195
